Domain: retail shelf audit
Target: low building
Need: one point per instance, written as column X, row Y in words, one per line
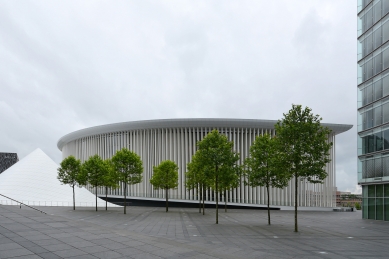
column 7, row 160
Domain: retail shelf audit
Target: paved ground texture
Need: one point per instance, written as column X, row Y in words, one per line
column 184, row 233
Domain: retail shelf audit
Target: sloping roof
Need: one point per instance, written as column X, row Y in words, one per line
column 182, row 123
column 7, row 160
column 33, row 180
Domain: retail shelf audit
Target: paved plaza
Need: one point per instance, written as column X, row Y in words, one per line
column 147, row 232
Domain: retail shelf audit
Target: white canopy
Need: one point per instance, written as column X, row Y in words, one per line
column 33, row 181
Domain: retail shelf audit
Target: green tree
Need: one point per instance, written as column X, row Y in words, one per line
column 216, row 155
column 129, row 167
column 68, row 173
column 110, row 179
column 165, row 177
column 261, row 167
column 230, row 181
column 304, row 146
column 93, row 171
column 195, row 178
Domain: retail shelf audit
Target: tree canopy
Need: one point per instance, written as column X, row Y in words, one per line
column 165, row 177
column 129, row 167
column 196, row 177
column 216, row 154
column 304, row 147
column 93, row 171
column 69, row 173
column 262, row 166
column 110, row 179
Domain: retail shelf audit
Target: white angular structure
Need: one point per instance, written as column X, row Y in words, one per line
column 175, row 139
column 33, row 181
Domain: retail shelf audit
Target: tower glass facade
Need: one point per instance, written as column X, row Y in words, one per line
column 373, row 107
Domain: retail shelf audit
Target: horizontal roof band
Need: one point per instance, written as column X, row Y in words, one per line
column 182, row 123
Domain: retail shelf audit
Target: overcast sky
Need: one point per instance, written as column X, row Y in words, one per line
column 68, row 65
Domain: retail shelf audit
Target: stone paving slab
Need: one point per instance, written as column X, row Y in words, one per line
column 146, row 232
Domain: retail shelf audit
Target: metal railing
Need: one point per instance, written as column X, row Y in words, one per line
column 21, row 203
column 54, row 203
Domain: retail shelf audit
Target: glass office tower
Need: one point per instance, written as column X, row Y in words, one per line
column 373, row 107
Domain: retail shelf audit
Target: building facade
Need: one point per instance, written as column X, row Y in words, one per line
column 7, row 160
column 347, row 199
column 176, row 139
column 373, row 107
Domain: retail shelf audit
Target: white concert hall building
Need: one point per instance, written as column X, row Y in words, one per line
column 175, row 139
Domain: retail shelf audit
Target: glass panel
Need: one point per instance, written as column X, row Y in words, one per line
column 364, row 98
column 377, row 12
column 377, row 64
column 379, row 190
column 370, row 143
column 377, row 116
column 371, row 210
column 385, row 8
column 385, row 136
column 385, row 31
column 378, row 141
column 377, row 38
column 369, row 18
column 385, row 113
column 369, row 119
column 377, row 90
column 364, row 121
column 386, row 190
column 369, row 68
column 385, row 86
column 379, row 209
column 364, row 145
column 364, row 191
column 371, row 191
column 368, row 44
column 365, row 208
column 370, row 169
column 386, row 209
column 377, row 167
column 369, row 94
column 364, row 76
column 385, row 167
column 364, row 174
column 385, row 59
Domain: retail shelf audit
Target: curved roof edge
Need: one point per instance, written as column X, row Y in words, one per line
column 180, row 123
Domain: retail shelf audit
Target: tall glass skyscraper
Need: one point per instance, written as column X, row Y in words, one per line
column 373, row 107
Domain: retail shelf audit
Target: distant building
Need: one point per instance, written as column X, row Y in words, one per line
column 7, row 160
column 347, row 199
column 373, row 107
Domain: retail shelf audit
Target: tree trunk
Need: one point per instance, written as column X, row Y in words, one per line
column 199, row 196
column 268, row 205
column 217, row 199
column 203, row 199
column 295, row 205
column 96, row 197
column 225, row 201
column 167, row 205
column 106, row 197
column 74, row 200
column 125, row 196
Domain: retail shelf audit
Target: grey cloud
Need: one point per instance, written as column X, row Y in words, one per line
column 70, row 65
